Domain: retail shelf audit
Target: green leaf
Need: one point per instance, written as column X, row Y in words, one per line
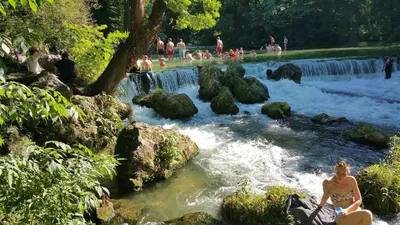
column 33, row 5
column 23, row 2
column 13, row 3
column 53, row 167
column 10, row 179
column 5, row 48
column 2, row 10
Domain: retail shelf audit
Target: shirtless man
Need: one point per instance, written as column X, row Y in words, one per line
column 285, row 42
column 147, row 65
column 220, row 46
column 272, row 40
column 182, row 48
column 208, row 55
column 170, row 49
column 160, row 48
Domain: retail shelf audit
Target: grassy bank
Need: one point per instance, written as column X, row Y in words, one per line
column 291, row 55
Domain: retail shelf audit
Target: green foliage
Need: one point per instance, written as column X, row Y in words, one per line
column 109, row 124
column 22, row 106
column 33, row 5
column 244, row 207
column 380, row 184
column 44, row 29
column 111, row 13
column 55, row 184
column 169, row 151
column 91, row 50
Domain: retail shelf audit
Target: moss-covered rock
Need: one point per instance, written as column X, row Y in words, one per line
column 369, row 135
column 230, row 77
column 324, row 118
column 15, row 142
column 209, row 82
column 224, row 103
column 287, row 71
column 102, row 103
column 175, row 106
column 243, row 207
column 236, row 68
column 152, row 154
column 105, row 210
column 276, row 110
column 125, row 212
column 250, row 90
column 198, row 218
column 380, row 188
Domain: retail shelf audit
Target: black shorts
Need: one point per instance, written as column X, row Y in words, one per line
column 388, row 74
column 160, row 51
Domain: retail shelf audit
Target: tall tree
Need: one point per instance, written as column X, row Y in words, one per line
column 143, row 29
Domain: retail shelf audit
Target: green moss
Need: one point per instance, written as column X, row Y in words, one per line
column 125, row 212
column 198, row 218
column 105, row 212
column 369, row 135
column 243, row 207
column 276, row 110
column 380, row 184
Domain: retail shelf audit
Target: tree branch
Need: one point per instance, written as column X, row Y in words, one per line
column 157, row 12
column 137, row 12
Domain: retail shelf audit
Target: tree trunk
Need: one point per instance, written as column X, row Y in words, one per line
column 142, row 34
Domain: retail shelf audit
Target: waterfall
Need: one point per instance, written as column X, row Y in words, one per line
column 340, row 67
column 171, row 80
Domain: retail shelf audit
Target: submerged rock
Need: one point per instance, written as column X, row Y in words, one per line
column 324, row 118
column 224, row 103
column 197, row 218
column 209, row 82
column 250, row 90
column 178, row 106
column 152, row 154
column 287, row 71
column 125, row 213
column 276, row 110
column 369, row 135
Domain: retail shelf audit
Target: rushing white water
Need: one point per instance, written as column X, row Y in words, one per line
column 263, row 151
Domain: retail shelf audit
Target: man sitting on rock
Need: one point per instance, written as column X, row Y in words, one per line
column 66, row 69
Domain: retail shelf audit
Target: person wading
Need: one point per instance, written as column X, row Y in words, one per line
column 388, row 67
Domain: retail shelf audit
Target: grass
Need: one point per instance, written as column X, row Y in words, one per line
column 365, row 52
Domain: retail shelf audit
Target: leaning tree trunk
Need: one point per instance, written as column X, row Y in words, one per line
column 142, row 33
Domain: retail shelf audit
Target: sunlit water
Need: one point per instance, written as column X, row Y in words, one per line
column 264, row 152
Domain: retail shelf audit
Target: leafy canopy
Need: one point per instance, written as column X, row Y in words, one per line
column 33, row 4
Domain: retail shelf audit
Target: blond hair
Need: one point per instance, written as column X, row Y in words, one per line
column 343, row 164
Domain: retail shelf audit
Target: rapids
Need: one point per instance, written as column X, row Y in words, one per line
column 251, row 147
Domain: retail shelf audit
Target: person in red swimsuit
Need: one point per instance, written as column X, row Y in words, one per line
column 232, row 54
column 220, row 45
column 170, row 49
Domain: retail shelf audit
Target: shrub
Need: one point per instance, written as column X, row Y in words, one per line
column 243, row 207
column 380, row 184
column 55, row 184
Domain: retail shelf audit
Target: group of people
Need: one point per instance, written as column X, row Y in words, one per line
column 65, row 69
column 273, row 47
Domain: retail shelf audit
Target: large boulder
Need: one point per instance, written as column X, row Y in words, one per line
column 250, row 90
column 24, row 77
column 209, row 82
column 197, row 218
column 287, row 71
column 237, row 68
column 52, row 81
column 176, row 106
column 152, row 153
column 369, row 135
column 224, row 103
column 47, row 62
column 324, row 118
column 104, row 103
column 276, row 110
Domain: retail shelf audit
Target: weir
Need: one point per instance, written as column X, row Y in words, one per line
column 172, row 80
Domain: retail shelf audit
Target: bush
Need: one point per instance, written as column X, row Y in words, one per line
column 55, row 184
column 243, row 207
column 380, row 184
